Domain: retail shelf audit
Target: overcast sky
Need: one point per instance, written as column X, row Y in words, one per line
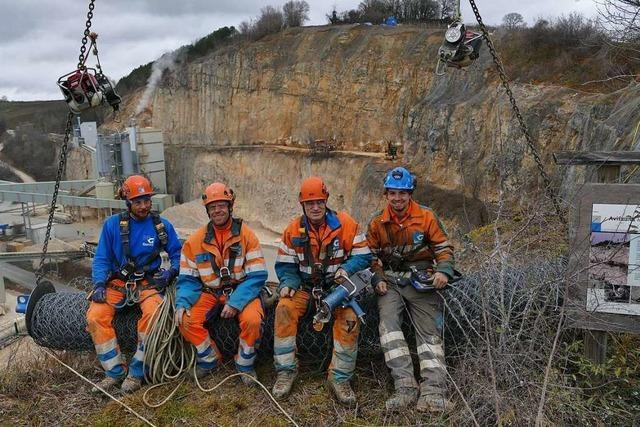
column 40, row 39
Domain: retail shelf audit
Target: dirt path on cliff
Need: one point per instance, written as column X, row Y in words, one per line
column 275, row 147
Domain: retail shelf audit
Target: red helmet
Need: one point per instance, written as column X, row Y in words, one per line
column 136, row 186
column 313, row 188
column 218, row 191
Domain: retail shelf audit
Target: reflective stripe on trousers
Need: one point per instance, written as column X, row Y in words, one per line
column 426, row 312
column 100, row 327
column 346, row 328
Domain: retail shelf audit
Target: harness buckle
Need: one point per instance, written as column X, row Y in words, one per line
column 225, row 274
column 227, row 291
column 317, row 292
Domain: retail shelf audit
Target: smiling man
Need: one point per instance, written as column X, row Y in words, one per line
column 221, row 271
column 126, row 271
column 317, row 250
column 408, row 242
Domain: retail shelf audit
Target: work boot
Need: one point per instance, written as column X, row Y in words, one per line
column 131, row 384
column 107, row 384
column 201, row 373
column 284, row 382
column 401, row 398
column 343, row 392
column 432, row 402
column 248, row 381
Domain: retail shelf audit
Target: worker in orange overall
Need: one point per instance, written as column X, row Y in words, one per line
column 413, row 257
column 126, row 271
column 221, row 271
column 317, row 250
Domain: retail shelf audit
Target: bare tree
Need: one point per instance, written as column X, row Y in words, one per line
column 621, row 18
column 373, row 10
column 270, row 21
column 295, row 12
column 447, row 9
column 512, row 21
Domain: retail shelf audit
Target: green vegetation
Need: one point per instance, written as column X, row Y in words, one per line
column 210, row 43
column 138, row 78
column 135, row 79
column 570, row 51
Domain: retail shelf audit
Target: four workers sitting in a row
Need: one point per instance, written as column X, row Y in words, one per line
column 220, row 271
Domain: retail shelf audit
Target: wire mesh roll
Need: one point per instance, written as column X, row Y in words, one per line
column 59, row 322
column 59, row 319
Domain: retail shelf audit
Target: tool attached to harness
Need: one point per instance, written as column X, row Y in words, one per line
column 343, row 295
column 422, row 281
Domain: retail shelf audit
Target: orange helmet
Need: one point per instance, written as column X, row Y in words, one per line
column 136, row 186
column 313, row 188
column 218, row 191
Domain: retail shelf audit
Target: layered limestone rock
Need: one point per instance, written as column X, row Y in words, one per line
column 362, row 87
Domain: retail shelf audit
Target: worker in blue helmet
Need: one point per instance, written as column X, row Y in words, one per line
column 412, row 256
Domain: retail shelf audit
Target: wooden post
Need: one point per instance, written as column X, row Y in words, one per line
column 595, row 342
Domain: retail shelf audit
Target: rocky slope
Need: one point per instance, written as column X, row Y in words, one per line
column 364, row 86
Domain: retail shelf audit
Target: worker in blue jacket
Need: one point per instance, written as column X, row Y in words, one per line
column 126, row 271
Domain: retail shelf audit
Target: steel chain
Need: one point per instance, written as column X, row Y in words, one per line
column 85, row 38
column 523, row 125
column 63, row 151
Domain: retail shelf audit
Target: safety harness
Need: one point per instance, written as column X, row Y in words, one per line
column 137, row 276
column 318, row 285
column 227, row 284
column 398, row 259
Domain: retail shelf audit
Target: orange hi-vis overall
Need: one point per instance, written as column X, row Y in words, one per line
column 218, row 267
column 100, row 319
column 336, row 244
column 419, row 240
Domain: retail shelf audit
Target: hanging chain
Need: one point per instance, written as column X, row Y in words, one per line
column 63, row 151
column 85, row 38
column 523, row 126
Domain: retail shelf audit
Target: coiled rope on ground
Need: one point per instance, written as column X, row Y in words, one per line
column 168, row 357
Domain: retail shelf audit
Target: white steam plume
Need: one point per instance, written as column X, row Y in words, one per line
column 166, row 61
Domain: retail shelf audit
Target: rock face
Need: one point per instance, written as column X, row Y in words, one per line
column 362, row 87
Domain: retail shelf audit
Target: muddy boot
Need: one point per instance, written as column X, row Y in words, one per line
column 248, row 381
column 401, row 399
column 432, row 402
column 343, row 392
column 107, row 384
column 284, row 382
column 131, row 384
column 201, row 373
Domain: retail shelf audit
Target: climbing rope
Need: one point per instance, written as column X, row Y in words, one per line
column 63, row 150
column 127, row 407
column 168, row 357
column 523, row 126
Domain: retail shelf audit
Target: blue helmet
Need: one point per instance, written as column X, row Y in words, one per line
column 399, row 179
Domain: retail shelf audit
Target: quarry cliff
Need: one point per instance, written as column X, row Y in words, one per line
column 247, row 113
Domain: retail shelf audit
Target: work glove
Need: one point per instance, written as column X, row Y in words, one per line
column 341, row 275
column 163, row 278
column 179, row 314
column 99, row 293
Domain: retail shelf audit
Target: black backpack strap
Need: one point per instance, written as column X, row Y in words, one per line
column 160, row 230
column 124, row 234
